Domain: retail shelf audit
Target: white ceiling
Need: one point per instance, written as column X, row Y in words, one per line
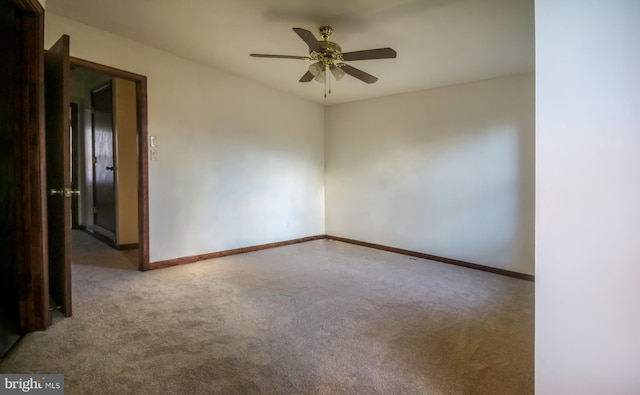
column 439, row 42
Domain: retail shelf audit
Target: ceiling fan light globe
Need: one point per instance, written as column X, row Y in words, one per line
column 316, row 68
column 320, row 77
column 337, row 72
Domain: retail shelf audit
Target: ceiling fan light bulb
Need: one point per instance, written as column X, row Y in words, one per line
column 316, row 68
column 337, row 72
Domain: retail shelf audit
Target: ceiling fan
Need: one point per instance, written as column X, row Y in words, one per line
column 328, row 56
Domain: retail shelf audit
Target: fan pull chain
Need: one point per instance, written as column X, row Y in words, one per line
column 326, row 76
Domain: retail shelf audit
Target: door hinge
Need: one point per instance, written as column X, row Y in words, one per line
column 95, row 160
column 95, row 209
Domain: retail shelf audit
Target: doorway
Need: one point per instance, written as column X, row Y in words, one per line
column 26, row 252
column 112, row 156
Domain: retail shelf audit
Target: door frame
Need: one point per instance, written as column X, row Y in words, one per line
column 143, row 150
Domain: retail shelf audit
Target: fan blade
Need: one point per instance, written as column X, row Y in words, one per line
column 306, row 77
column 359, row 74
column 380, row 53
column 308, row 38
column 261, row 55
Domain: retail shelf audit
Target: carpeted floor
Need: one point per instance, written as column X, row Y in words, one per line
column 321, row 317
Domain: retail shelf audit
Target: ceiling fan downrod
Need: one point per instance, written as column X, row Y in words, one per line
column 325, row 32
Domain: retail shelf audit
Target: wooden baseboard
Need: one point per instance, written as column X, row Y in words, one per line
column 130, row 246
column 211, row 255
column 509, row 273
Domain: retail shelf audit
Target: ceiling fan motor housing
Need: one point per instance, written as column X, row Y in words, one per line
column 330, row 52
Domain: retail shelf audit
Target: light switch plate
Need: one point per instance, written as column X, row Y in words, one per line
column 153, row 141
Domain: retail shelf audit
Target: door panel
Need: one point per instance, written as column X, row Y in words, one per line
column 104, row 195
column 56, row 62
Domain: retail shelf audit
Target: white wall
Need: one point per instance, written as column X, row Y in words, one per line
column 239, row 164
column 448, row 172
column 587, row 197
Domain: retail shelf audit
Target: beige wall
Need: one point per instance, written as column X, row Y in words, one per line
column 239, row 164
column 447, row 172
column 126, row 135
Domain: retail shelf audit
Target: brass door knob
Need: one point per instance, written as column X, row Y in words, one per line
column 67, row 192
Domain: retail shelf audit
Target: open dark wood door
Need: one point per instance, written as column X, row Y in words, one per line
column 56, row 64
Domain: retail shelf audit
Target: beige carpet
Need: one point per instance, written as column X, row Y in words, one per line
column 321, row 317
